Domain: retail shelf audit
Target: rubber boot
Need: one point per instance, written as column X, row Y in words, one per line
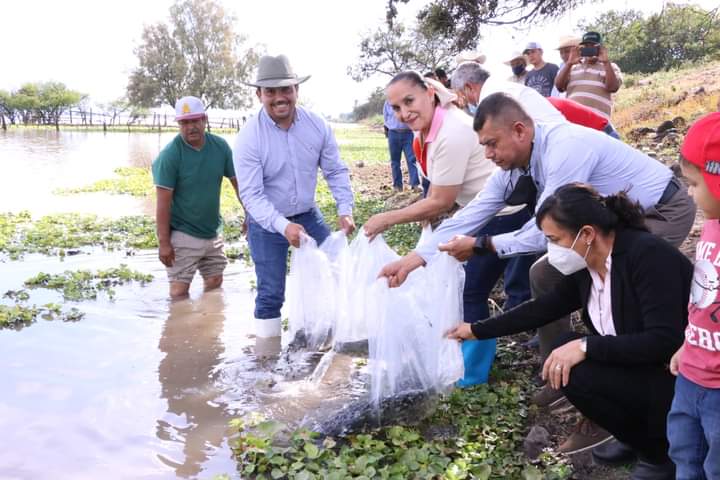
column 478, row 356
column 267, row 327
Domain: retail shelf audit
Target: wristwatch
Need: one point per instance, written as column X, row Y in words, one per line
column 583, row 344
column 482, row 245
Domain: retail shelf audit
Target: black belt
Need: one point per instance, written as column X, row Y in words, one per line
column 672, row 187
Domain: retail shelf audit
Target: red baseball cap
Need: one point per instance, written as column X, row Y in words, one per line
column 701, row 147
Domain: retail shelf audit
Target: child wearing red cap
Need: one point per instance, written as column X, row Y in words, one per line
column 694, row 419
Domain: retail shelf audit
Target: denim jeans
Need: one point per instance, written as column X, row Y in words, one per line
column 401, row 141
column 693, row 429
column 269, row 251
column 481, row 274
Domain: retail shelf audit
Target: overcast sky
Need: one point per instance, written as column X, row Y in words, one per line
column 88, row 44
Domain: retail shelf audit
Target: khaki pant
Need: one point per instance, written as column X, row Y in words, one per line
column 671, row 221
column 192, row 254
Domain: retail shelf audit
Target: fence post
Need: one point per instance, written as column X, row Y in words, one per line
column 71, row 116
column 91, row 116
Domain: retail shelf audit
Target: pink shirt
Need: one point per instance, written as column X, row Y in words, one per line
column 600, row 301
column 700, row 360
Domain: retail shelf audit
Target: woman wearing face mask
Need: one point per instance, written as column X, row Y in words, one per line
column 633, row 289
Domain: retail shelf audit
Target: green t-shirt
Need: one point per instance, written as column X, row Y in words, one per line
column 195, row 177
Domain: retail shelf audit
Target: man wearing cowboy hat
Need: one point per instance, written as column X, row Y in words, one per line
column 518, row 64
column 188, row 175
column 277, row 155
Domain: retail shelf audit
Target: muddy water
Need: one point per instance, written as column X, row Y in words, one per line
column 140, row 387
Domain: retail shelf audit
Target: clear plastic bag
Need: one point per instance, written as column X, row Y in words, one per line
column 408, row 348
column 359, row 270
column 312, row 295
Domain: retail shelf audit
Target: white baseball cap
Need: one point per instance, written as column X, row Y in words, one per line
column 532, row 46
column 189, row 108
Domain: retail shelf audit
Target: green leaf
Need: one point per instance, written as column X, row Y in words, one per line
column 311, row 450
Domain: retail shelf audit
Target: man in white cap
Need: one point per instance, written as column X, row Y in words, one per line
column 188, row 175
column 277, row 156
column 542, row 76
column 518, row 65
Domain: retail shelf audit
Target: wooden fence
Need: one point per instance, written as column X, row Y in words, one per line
column 99, row 119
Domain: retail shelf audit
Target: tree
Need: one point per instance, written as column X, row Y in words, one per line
column 54, row 99
column 7, row 108
column 390, row 50
column 39, row 102
column 115, row 108
column 460, row 20
column 678, row 34
column 197, row 54
column 373, row 106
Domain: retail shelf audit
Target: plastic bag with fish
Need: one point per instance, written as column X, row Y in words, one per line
column 312, row 293
column 408, row 349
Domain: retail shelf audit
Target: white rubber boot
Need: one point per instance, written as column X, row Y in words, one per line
column 267, row 327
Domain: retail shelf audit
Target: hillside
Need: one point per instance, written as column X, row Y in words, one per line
column 649, row 100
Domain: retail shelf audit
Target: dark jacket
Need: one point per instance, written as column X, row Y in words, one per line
column 650, row 286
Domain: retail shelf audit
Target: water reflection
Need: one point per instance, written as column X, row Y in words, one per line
column 191, row 341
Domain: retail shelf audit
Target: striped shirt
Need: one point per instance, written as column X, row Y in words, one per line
column 587, row 86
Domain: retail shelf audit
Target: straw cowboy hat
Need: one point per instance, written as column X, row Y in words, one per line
column 476, row 57
column 515, row 55
column 568, row 41
column 275, row 72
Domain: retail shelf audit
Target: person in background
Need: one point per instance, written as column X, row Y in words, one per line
column 565, row 47
column 278, row 154
column 632, row 287
column 442, row 77
column 518, row 65
column 693, row 426
column 542, row 76
column 589, row 77
column 188, row 176
column 400, row 139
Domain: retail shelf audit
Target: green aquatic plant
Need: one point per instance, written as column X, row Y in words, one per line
column 85, row 285
column 129, row 180
column 18, row 315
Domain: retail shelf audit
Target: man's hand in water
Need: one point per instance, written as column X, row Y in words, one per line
column 396, row 272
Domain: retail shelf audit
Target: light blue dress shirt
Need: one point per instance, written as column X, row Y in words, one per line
column 562, row 153
column 277, row 169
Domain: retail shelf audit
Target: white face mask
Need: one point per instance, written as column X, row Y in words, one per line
column 565, row 259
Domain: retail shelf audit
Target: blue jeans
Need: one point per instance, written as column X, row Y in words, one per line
column 401, row 141
column 610, row 130
column 481, row 274
column 693, row 429
column 269, row 251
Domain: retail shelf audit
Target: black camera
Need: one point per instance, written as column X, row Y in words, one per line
column 589, row 51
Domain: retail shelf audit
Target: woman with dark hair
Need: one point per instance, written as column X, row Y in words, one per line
column 633, row 289
column 451, row 158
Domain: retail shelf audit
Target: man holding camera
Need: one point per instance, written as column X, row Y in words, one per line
column 589, row 77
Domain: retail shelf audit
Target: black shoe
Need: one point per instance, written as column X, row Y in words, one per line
column 613, row 453
column 653, row 471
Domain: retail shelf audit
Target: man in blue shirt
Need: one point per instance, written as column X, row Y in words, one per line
column 277, row 155
column 400, row 139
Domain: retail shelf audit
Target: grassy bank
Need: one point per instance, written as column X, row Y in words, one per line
column 648, row 100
